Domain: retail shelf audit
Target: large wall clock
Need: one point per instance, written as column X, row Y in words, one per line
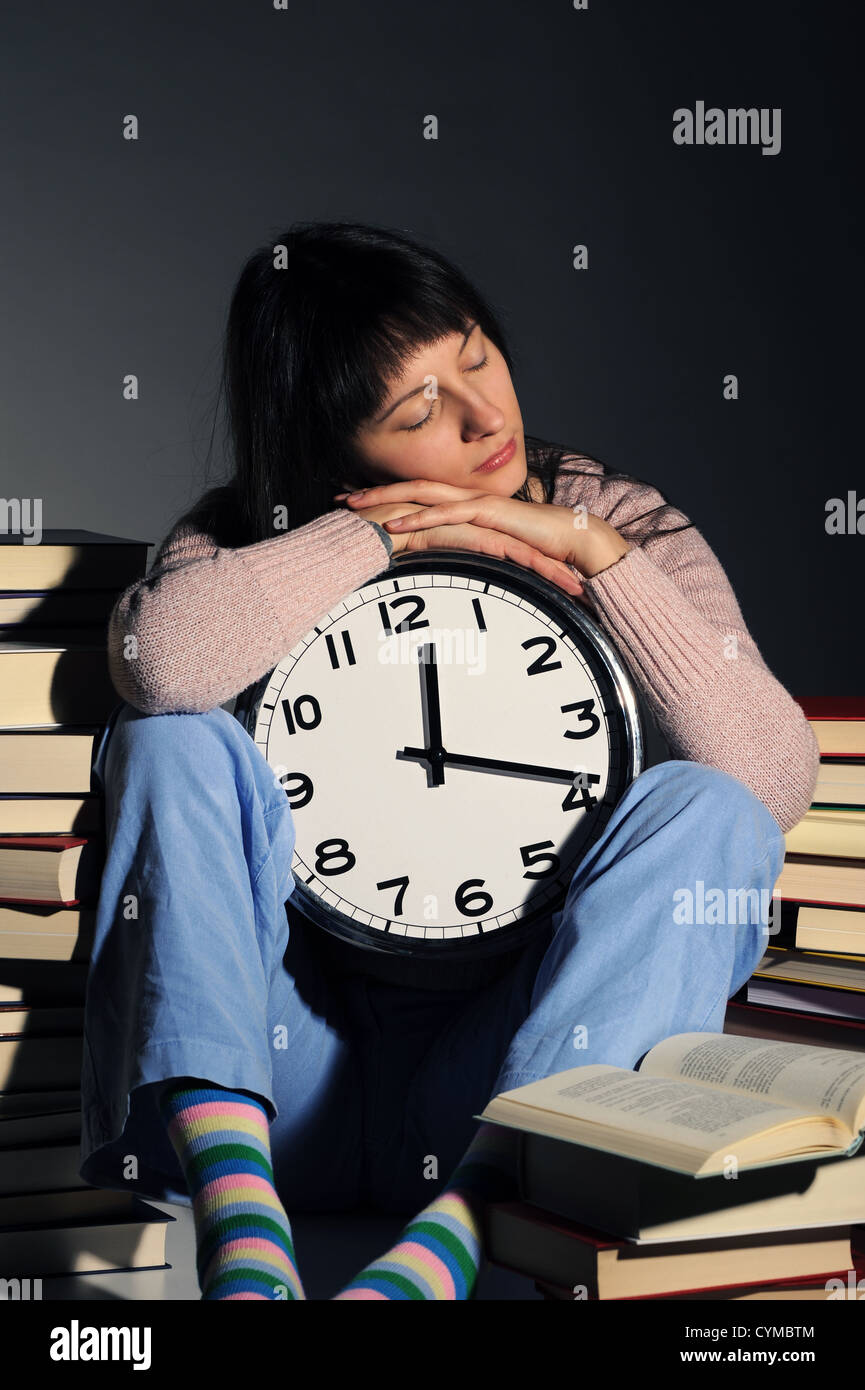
column 451, row 736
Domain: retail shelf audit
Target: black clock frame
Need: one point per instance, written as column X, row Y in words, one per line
column 627, row 733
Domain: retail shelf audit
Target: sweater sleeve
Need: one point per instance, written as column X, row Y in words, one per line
column 207, row 621
column 670, row 609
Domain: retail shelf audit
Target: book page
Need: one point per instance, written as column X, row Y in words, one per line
column 693, row 1116
column 820, row 1080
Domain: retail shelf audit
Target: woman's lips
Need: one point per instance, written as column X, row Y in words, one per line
column 500, row 459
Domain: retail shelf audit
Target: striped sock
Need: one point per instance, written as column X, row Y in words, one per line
column 243, row 1237
column 438, row 1256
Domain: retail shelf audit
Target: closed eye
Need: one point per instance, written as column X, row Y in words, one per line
column 409, row 429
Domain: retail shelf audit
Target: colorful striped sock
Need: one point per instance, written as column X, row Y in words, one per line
column 243, row 1236
column 438, row 1255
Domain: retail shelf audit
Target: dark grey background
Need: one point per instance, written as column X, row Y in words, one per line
column 555, row 128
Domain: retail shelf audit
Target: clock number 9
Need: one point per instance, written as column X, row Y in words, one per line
column 302, row 795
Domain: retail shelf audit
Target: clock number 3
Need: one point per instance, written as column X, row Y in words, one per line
column 586, row 710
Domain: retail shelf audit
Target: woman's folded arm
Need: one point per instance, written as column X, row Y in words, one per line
column 672, row 612
column 207, row 620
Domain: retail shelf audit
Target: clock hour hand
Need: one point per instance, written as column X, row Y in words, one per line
column 559, row 774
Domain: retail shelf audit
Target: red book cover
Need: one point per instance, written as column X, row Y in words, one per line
column 45, row 902
column 50, row 842
column 747, row 1007
column 832, row 706
column 87, row 875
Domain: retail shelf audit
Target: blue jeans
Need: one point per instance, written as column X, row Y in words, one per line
column 197, row 969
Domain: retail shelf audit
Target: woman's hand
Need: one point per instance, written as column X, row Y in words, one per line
column 455, row 535
column 570, row 536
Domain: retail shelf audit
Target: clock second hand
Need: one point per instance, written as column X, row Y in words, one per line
column 559, row 774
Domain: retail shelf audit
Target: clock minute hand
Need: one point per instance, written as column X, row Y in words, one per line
column 559, row 774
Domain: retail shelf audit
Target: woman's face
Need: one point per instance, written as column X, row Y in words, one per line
column 453, row 408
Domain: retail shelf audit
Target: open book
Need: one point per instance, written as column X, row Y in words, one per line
column 700, row 1103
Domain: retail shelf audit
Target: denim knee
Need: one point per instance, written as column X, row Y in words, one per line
column 179, row 761
column 716, row 799
column 736, row 831
column 155, row 741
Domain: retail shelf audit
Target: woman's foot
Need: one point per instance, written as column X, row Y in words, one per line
column 243, row 1236
column 439, row 1254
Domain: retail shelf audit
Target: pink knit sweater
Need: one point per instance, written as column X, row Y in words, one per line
column 210, row 620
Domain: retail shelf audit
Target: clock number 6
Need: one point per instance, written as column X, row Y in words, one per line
column 462, row 899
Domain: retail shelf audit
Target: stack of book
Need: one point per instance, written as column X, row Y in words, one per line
column 810, row 984
column 725, row 1168
column 55, row 696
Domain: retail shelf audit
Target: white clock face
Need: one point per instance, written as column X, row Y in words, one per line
column 409, row 844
